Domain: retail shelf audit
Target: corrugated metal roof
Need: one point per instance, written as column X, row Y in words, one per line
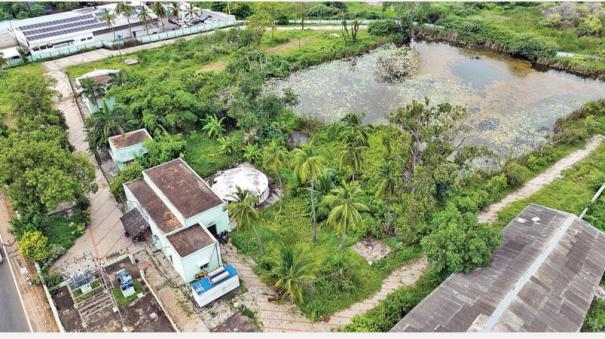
column 543, row 278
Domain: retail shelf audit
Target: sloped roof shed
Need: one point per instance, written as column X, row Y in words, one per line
column 542, row 279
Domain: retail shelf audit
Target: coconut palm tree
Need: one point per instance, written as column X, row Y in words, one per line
column 118, row 79
column 214, row 127
column 354, row 139
column 144, row 17
column 92, row 89
column 174, row 10
column 275, row 159
column 308, row 167
column 109, row 19
column 158, row 9
column 243, row 211
column 293, row 272
column 127, row 10
column 388, row 183
column 345, row 207
column 104, row 123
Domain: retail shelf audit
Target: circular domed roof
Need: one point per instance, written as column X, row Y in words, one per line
column 245, row 177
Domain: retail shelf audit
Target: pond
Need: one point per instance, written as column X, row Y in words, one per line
column 511, row 105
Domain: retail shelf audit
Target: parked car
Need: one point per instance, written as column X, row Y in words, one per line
column 1, row 259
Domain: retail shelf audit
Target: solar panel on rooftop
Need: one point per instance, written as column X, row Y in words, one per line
column 55, row 22
column 59, row 27
column 66, row 31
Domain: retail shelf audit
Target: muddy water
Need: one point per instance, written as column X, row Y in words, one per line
column 511, row 105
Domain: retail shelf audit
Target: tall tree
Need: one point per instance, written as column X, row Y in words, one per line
column 158, row 9
column 30, row 100
column 144, row 17
column 244, row 213
column 41, row 173
column 345, row 207
column 429, row 132
column 127, row 10
column 257, row 24
column 92, row 90
column 388, row 184
column 103, row 124
column 109, row 18
column 175, row 9
column 308, row 166
column 276, row 159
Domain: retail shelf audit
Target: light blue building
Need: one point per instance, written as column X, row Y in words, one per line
column 184, row 214
column 124, row 148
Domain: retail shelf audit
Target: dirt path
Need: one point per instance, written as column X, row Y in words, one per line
column 285, row 317
column 545, row 178
column 286, row 46
column 215, row 66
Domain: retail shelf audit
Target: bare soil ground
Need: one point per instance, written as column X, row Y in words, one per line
column 286, row 46
column 553, row 173
column 371, row 249
column 237, row 323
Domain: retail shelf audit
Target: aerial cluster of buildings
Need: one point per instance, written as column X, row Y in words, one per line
column 85, row 26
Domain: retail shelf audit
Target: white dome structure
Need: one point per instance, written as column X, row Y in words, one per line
column 244, row 176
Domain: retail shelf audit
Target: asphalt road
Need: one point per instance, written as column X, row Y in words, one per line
column 12, row 315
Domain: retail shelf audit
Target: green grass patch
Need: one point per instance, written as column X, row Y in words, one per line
column 203, row 155
column 122, row 300
column 64, row 231
column 572, row 193
column 344, row 278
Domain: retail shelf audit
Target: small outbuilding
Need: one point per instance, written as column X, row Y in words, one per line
column 103, row 78
column 124, row 148
column 244, row 176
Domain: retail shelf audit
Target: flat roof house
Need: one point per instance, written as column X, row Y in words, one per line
column 542, row 279
column 184, row 215
column 124, row 148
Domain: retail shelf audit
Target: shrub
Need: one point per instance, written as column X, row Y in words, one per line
column 590, row 26
column 516, row 174
column 383, row 27
column 498, row 183
column 595, row 319
column 33, row 246
column 322, row 11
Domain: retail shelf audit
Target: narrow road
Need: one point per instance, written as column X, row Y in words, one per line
column 545, row 178
column 21, row 303
column 12, row 314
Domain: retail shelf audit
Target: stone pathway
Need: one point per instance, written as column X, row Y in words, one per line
column 543, row 179
column 285, row 317
column 105, row 235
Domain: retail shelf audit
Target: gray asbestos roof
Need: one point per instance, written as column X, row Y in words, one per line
column 542, row 279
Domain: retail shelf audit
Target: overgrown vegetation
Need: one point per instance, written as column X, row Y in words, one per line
column 40, row 169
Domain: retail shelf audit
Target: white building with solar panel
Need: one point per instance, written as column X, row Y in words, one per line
column 80, row 27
